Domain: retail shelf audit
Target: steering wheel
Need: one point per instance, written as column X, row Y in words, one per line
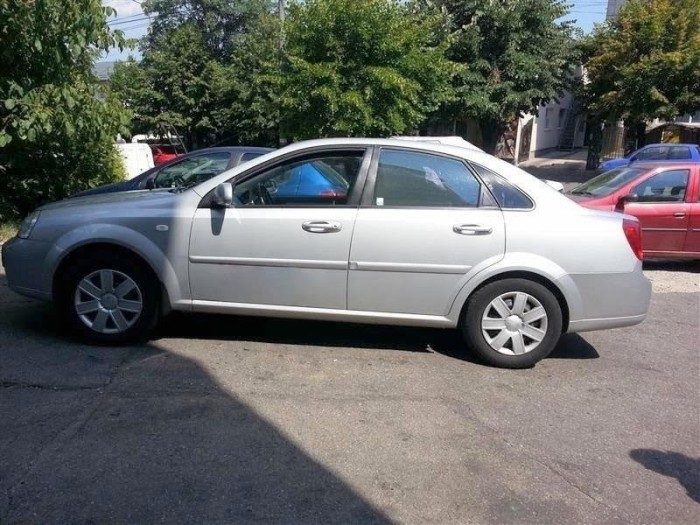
column 260, row 196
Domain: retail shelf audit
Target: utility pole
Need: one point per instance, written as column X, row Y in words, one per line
column 281, row 7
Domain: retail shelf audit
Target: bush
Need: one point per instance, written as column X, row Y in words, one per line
column 33, row 174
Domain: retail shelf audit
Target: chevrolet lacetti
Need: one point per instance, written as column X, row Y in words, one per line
column 409, row 233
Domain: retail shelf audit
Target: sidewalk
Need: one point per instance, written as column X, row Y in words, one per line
column 567, row 167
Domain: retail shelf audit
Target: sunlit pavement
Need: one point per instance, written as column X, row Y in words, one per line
column 232, row 419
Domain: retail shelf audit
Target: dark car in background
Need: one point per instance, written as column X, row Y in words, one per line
column 185, row 170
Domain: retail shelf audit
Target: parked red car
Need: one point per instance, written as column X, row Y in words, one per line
column 664, row 197
column 163, row 153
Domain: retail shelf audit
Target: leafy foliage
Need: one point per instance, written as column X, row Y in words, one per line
column 56, row 126
column 360, row 67
column 645, row 63
column 207, row 69
column 515, row 56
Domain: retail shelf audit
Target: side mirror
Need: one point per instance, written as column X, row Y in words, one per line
column 554, row 184
column 624, row 199
column 151, row 183
column 223, row 195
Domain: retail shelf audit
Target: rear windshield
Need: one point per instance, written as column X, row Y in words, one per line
column 608, row 182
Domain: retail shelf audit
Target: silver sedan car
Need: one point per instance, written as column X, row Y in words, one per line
column 361, row 230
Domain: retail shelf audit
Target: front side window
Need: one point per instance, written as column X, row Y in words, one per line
column 325, row 179
column 193, row 170
column 423, row 180
column 653, row 153
column 667, row 186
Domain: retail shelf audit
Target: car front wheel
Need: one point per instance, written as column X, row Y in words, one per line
column 512, row 323
column 109, row 299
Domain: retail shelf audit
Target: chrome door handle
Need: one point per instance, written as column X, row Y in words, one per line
column 471, row 229
column 321, row 226
column 679, row 214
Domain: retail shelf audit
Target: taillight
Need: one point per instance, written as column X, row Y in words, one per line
column 633, row 232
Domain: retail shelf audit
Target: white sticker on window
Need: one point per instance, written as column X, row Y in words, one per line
column 380, row 201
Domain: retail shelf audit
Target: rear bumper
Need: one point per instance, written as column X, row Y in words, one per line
column 610, row 300
column 23, row 260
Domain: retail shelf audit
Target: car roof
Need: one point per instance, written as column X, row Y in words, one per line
column 651, row 165
column 232, row 149
column 507, row 170
column 672, row 144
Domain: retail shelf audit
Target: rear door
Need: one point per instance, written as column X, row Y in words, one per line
column 692, row 239
column 425, row 224
column 662, row 210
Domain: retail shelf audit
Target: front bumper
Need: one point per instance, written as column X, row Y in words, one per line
column 23, row 260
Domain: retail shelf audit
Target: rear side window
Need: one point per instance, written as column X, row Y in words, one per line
column 250, row 156
column 412, row 179
column 679, row 153
column 507, row 195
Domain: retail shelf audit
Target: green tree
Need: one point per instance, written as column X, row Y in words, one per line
column 221, row 24
column 516, row 55
column 56, row 126
column 209, row 68
column 645, row 64
column 360, row 67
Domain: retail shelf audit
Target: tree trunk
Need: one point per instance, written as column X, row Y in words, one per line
column 640, row 130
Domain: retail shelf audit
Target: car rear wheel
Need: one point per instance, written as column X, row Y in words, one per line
column 512, row 323
column 109, row 299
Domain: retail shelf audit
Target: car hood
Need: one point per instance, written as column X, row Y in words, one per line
column 140, row 198
column 578, row 198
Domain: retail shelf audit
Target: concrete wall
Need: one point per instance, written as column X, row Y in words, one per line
column 549, row 125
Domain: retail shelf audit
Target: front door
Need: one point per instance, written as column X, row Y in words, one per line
column 662, row 211
column 421, row 230
column 283, row 243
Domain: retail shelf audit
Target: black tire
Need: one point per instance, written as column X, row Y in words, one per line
column 477, row 306
column 118, row 261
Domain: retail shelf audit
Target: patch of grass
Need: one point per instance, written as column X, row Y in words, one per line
column 8, row 230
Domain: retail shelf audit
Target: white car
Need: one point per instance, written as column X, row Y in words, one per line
column 379, row 231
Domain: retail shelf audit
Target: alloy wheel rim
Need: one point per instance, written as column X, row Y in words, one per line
column 108, row 301
column 514, row 323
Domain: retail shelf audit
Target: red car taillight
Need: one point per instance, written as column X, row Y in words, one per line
column 633, row 232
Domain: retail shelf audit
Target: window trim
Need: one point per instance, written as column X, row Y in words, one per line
column 353, row 198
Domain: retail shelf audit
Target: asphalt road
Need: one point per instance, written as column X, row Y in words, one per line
column 233, row 420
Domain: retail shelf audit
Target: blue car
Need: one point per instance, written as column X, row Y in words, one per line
column 656, row 153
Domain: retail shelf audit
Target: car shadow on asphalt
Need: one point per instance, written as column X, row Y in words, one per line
column 673, row 266
column 672, row 464
column 331, row 334
column 152, row 437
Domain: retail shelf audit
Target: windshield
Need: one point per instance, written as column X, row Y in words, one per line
column 608, row 182
column 192, row 171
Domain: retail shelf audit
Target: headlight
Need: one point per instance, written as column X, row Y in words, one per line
column 28, row 225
